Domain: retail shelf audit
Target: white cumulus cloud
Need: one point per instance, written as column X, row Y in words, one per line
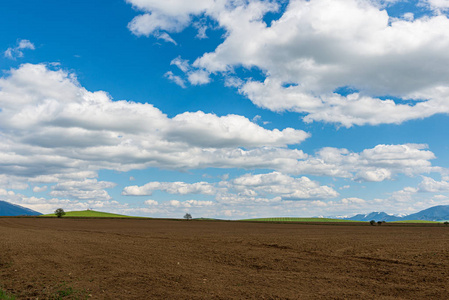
column 16, row 52
column 54, row 130
column 432, row 186
column 262, row 188
column 180, row 188
column 392, row 68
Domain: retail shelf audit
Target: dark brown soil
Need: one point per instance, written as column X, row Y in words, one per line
column 161, row 259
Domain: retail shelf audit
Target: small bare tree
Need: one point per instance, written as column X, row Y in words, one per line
column 188, row 216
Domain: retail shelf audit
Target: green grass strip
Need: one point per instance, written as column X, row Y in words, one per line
column 296, row 220
column 417, row 221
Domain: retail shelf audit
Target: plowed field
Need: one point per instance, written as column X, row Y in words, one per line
column 162, row 259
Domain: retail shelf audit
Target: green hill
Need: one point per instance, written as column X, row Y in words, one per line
column 296, row 220
column 417, row 222
column 89, row 214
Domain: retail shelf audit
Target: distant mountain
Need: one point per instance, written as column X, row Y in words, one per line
column 436, row 213
column 376, row 216
column 10, row 210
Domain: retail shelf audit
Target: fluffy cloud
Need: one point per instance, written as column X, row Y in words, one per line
column 430, row 185
column 263, row 188
column 394, row 65
column 55, row 131
column 151, row 202
column 88, row 189
column 405, row 195
column 323, row 45
column 52, row 126
column 38, row 189
column 176, row 79
column 188, row 203
column 175, row 207
column 234, row 203
column 180, row 188
column 235, row 209
column 280, row 185
column 12, row 182
column 349, row 201
column 270, row 193
column 16, row 52
column 377, row 164
column 439, row 5
column 199, row 77
column 349, row 110
column 206, row 130
column 413, row 199
column 194, row 77
column 168, row 16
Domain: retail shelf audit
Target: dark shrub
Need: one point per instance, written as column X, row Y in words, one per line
column 59, row 212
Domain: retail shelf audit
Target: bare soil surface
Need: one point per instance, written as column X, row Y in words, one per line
column 162, row 259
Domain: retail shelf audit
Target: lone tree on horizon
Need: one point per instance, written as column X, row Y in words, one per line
column 188, row 217
column 59, row 212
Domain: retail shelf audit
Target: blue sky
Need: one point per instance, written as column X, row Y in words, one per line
column 224, row 108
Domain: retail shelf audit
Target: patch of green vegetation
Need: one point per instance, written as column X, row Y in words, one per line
column 6, row 296
column 296, row 220
column 89, row 214
column 68, row 292
column 417, row 221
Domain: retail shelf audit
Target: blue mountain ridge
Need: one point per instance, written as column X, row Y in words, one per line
column 435, row 213
column 11, row 210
